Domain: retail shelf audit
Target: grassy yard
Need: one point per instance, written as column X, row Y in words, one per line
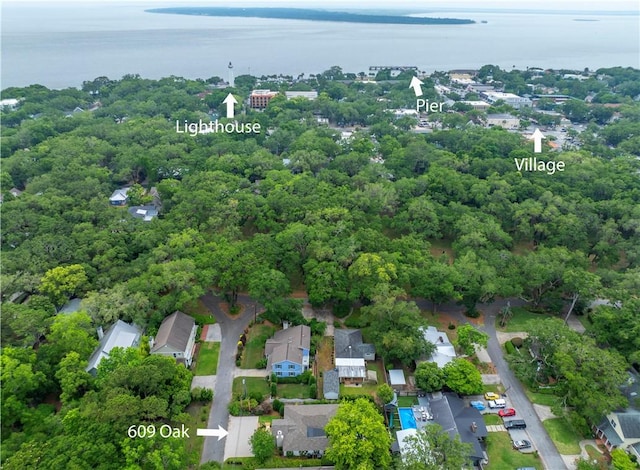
column 293, row 391
column 273, row 462
column 407, row 401
column 518, row 322
column 542, row 398
column 268, row 418
column 198, row 417
column 495, row 388
column 595, row 455
column 562, row 435
column 492, row 419
column 502, row 456
column 254, row 384
column 254, row 349
column 366, row 389
column 207, row 362
column 199, row 312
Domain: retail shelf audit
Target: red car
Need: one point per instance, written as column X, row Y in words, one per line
column 507, row 412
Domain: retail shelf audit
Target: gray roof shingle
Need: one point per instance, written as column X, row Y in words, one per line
column 174, row 332
column 345, row 338
column 300, row 427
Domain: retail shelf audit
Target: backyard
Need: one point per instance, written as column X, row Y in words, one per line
column 253, row 384
column 293, row 391
column 254, row 349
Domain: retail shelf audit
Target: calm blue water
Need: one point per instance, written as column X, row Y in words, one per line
column 61, row 45
column 407, row 419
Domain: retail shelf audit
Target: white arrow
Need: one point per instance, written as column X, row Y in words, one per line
column 230, row 101
column 537, row 141
column 415, row 84
column 220, row 432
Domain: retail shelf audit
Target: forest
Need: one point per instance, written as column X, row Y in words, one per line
column 442, row 216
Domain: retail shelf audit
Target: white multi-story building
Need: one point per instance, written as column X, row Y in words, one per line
column 511, row 99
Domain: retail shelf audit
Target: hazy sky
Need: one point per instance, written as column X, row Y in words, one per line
column 512, row 4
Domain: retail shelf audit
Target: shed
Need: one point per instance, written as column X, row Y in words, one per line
column 396, row 378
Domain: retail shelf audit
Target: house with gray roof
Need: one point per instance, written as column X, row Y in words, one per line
column 330, row 384
column 119, row 335
column 350, row 354
column 119, row 197
column 348, row 344
column 621, row 428
column 450, row 412
column 146, row 213
column 301, row 431
column 176, row 338
column 288, row 351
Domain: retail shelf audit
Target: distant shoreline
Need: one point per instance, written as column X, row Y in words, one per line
column 309, row 15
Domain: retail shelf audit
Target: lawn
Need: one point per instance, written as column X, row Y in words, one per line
column 502, row 456
column 254, row 384
column 199, row 312
column 407, row 401
column 366, row 389
column 518, row 322
column 539, row 398
column 207, row 362
column 492, row 419
column 198, row 417
column 254, row 349
column 293, row 391
column 562, row 435
column 495, row 388
column 273, row 462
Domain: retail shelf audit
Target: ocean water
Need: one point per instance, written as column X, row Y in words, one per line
column 61, row 45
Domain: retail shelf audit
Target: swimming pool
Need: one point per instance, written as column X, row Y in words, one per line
column 407, row 419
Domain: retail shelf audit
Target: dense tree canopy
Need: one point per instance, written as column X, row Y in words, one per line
column 359, row 222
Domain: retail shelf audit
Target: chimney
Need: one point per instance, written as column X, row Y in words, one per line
column 440, row 339
column 100, row 333
column 474, row 427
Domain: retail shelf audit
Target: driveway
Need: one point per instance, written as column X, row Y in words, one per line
column 230, row 329
column 241, row 428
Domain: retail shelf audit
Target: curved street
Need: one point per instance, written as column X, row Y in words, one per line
column 231, row 329
column 550, row 456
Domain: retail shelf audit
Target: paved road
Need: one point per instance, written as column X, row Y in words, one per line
column 231, row 329
column 537, row 433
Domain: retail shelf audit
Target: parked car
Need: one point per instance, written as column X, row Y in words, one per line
column 523, row 444
column 507, row 412
column 515, row 424
column 491, row 396
column 478, row 405
column 499, row 403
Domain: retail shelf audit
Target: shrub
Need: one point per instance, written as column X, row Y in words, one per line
column 274, row 390
column 262, row 363
column 511, row 349
column 517, row 342
column 257, row 396
column 341, row 309
column 472, row 313
column 201, row 394
column 337, row 324
column 238, row 362
column 451, row 326
column 277, row 405
column 313, row 392
column 352, row 322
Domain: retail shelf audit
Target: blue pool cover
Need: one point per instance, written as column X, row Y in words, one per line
column 407, row 419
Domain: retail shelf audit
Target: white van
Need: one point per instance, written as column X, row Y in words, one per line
column 499, row 403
